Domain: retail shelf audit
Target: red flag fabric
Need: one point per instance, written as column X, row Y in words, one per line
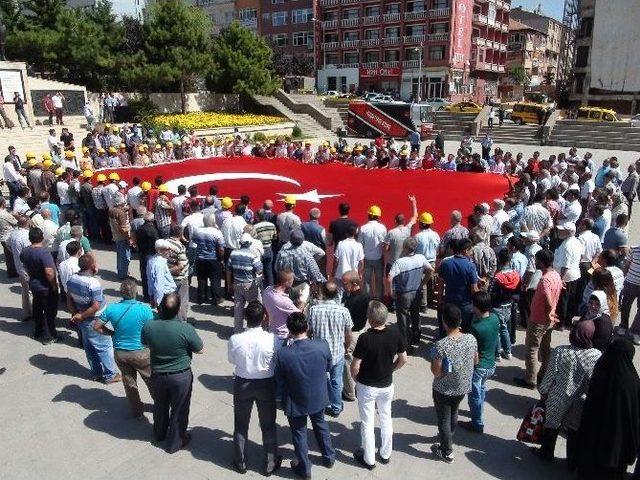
column 326, row 186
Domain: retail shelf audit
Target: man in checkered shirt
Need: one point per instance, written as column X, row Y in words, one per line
column 330, row 321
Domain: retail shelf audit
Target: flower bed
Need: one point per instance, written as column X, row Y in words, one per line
column 201, row 120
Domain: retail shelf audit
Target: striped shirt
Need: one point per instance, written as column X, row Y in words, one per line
column 300, row 261
column 207, row 241
column 406, row 273
column 245, row 265
column 98, row 199
column 633, row 274
column 328, row 320
column 536, row 218
column 163, row 212
column 85, row 289
column 178, row 256
column 266, row 232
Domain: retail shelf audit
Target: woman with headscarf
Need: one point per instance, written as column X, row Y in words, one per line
column 610, row 429
column 598, row 313
column 602, row 279
column 563, row 387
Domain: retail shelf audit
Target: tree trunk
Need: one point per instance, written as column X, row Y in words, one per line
column 183, row 96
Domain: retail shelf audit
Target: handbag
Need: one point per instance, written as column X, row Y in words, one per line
column 532, row 425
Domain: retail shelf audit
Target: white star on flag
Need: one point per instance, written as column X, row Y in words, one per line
column 311, row 196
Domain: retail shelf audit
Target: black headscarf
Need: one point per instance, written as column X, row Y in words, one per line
column 581, row 335
column 610, row 427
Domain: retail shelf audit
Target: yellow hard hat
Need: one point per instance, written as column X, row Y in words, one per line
column 46, row 156
column 404, row 152
column 47, row 163
column 158, row 146
column 308, row 143
column 107, row 125
column 114, row 176
column 122, row 145
column 59, row 171
column 426, row 218
column 166, row 124
column 145, row 145
column 375, row 211
column 30, row 155
column 101, row 150
column 358, row 148
column 169, row 145
column 32, row 162
column 140, row 148
column 226, row 203
column 347, row 150
column 163, row 188
column 332, row 150
column 145, row 186
column 69, row 154
column 85, row 149
column 290, row 200
column 112, row 150
column 87, row 174
column 102, row 177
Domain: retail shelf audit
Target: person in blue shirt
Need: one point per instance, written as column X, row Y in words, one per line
column 159, row 278
column 599, row 179
column 52, row 207
column 124, row 321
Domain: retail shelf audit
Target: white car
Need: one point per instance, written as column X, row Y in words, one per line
column 437, row 103
column 635, row 120
column 331, row 93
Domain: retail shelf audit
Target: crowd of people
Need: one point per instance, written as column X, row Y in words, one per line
column 311, row 306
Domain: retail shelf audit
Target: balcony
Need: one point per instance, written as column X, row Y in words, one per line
column 370, row 65
column 349, row 22
column 391, row 17
column 481, row 19
column 349, row 65
column 438, row 37
column 330, row 24
column 349, row 2
column 249, row 22
column 411, row 64
column 328, row 3
column 330, row 45
column 350, row 43
column 394, row 64
column 371, row 19
column 502, row 47
column 501, row 68
column 504, row 27
column 488, row 67
column 439, row 12
column 391, row 40
column 414, row 39
column 370, row 42
column 416, row 15
column 481, row 42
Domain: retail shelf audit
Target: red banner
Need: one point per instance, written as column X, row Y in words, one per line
column 462, row 26
column 380, row 72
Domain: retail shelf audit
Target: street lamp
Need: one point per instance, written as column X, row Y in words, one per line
column 420, row 50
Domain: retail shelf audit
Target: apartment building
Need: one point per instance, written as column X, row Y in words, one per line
column 527, row 49
column 289, row 25
column 248, row 13
column 413, row 48
column 221, row 12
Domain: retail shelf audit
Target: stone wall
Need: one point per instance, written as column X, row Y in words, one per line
column 171, row 103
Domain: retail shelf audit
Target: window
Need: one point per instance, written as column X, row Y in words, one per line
column 275, row 2
column 416, row 30
column 586, row 27
column 412, row 54
column 333, row 58
column 280, row 39
column 441, row 27
column 440, row 4
column 331, row 37
column 247, row 14
column 579, row 83
column 391, row 55
column 582, row 56
column 436, row 53
column 348, row 36
column 302, row 15
column 328, row 16
column 279, row 18
column 393, row 8
column 302, row 38
column 371, row 56
column 351, row 13
column 417, row 6
column 371, row 34
column 392, row 32
column 372, row 11
column 350, row 57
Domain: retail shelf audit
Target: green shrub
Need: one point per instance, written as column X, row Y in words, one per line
column 296, row 132
column 259, row 137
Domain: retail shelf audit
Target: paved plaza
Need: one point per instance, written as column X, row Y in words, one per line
column 58, row 424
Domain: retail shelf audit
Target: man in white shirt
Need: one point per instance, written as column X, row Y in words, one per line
column 499, row 216
column 349, row 256
column 572, row 208
column 134, row 194
column 52, row 141
column 17, row 241
column 232, row 229
column 69, row 266
column 253, row 354
column 49, row 229
column 57, row 106
column 15, row 181
column 372, row 236
column 567, row 263
column 178, row 201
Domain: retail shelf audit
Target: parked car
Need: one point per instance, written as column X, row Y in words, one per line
column 635, row 120
column 330, row 93
column 524, row 112
column 464, row 107
column 437, row 103
column 596, row 114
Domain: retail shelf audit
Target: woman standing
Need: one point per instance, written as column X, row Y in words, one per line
column 563, row 386
column 610, row 429
column 598, row 313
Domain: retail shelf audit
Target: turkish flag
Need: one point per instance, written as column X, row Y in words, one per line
column 326, row 186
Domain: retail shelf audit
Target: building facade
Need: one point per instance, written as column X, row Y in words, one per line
column 221, row 12
column 527, row 49
column 132, row 8
column 289, row 25
column 412, row 48
column 248, row 14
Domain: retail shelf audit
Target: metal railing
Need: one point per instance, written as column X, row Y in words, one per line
column 414, row 39
column 438, row 37
column 370, row 42
column 416, row 15
column 439, row 12
column 349, row 22
column 391, row 17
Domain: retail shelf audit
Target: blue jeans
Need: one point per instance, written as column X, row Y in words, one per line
column 477, row 394
column 267, row 267
column 504, row 337
column 99, row 351
column 123, row 257
column 334, row 385
column 300, row 441
column 14, row 190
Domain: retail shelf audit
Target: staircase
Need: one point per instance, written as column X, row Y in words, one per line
column 453, row 125
column 510, row 133
column 307, row 124
column 336, row 117
column 609, row 135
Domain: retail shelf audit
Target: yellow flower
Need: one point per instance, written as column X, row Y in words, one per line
column 199, row 120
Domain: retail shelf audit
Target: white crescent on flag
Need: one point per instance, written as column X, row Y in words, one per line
column 216, row 177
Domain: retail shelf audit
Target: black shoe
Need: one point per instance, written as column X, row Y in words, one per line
column 296, row 471
column 2, row 370
column 359, row 456
column 471, row 427
column 347, row 399
column 277, row 463
column 331, row 413
column 329, row 463
column 437, row 451
column 384, row 461
column 521, row 382
column 242, row 468
column 48, row 341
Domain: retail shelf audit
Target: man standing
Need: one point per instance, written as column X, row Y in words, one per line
column 301, row 371
column 541, row 321
column 13, row 177
column 394, row 243
column 209, row 251
column 18, row 105
column 244, row 270
column 253, row 354
column 349, row 255
column 278, row 305
column 406, row 276
column 159, row 279
column 146, row 237
column 85, row 301
column 330, row 321
column 315, row 234
column 179, row 268
column 379, row 352
column 121, row 232
column 47, row 104
column 57, row 100
column 287, row 221
column 7, row 224
column 339, row 228
column 266, row 232
column 566, row 261
column 372, row 236
column 171, row 344
column 456, row 232
column 125, row 320
column 19, row 240
column 428, row 245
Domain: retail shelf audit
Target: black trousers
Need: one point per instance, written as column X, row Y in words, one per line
column 172, row 399
column 143, row 276
column 209, row 275
column 263, row 393
column 8, row 259
column 103, row 226
column 45, row 309
column 447, row 412
column 568, row 305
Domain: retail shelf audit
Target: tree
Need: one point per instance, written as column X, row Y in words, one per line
column 549, row 78
column 519, row 75
column 242, row 63
column 177, row 45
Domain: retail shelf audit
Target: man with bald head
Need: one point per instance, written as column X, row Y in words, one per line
column 332, row 322
column 456, row 232
column 278, row 305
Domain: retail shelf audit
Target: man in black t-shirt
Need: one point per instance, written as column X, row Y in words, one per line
column 379, row 352
column 357, row 301
column 339, row 228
